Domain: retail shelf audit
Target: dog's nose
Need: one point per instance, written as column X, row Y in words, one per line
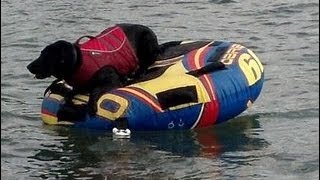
column 32, row 68
column 29, row 67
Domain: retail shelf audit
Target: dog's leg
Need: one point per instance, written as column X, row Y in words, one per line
column 105, row 80
column 68, row 111
column 96, row 94
column 93, row 99
column 71, row 112
column 145, row 44
column 58, row 87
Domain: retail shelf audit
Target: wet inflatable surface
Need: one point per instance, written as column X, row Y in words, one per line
column 176, row 99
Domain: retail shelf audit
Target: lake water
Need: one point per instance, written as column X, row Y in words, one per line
column 278, row 138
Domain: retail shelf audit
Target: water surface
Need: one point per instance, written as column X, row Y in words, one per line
column 278, row 138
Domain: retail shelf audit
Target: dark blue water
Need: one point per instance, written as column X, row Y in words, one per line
column 278, row 138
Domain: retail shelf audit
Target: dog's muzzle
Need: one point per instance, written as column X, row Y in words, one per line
column 39, row 74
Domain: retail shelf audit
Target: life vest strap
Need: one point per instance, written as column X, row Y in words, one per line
column 85, row 36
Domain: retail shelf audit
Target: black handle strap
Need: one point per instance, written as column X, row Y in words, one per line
column 214, row 66
column 86, row 36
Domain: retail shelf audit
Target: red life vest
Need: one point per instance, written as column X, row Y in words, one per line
column 110, row 48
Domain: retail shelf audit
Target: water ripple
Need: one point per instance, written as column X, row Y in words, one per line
column 275, row 139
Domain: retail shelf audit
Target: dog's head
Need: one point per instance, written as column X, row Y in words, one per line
column 57, row 59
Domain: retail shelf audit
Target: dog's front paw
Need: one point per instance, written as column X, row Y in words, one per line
column 58, row 87
column 92, row 106
column 94, row 98
column 72, row 112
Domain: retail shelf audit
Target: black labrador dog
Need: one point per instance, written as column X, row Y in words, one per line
column 101, row 63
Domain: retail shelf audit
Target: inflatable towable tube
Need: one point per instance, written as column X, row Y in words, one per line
column 176, row 99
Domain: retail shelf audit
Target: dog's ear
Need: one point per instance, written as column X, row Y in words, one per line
column 64, row 58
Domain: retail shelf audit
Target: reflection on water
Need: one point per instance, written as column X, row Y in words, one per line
column 89, row 153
